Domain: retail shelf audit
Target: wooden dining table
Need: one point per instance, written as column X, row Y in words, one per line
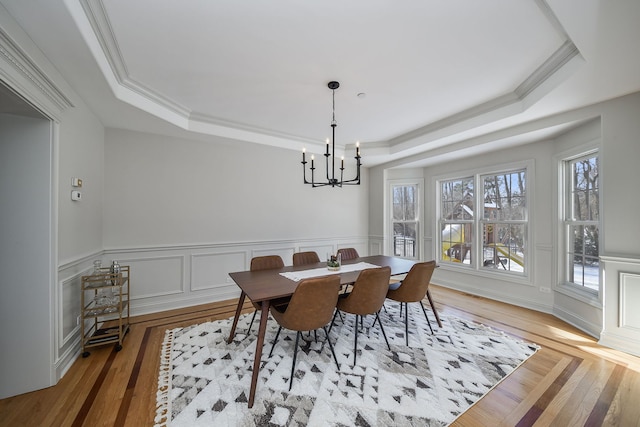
column 265, row 286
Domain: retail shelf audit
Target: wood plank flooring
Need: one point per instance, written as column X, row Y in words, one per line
column 571, row 381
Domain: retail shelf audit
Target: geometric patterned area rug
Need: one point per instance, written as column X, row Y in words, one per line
column 205, row 382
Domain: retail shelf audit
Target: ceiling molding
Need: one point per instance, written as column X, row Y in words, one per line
column 19, row 61
column 497, row 108
column 433, row 135
column 101, row 26
column 550, row 67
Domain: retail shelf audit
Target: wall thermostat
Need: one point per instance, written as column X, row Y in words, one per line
column 75, row 195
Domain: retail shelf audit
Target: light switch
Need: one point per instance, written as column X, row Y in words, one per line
column 76, row 182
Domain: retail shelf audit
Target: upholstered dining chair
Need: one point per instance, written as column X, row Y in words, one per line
column 303, row 258
column 347, row 254
column 414, row 288
column 311, row 307
column 267, row 262
column 366, row 297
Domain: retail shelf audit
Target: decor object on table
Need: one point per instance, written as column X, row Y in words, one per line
column 334, row 262
column 331, row 179
column 205, row 381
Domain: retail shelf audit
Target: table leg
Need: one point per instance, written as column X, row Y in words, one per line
column 264, row 314
column 235, row 319
column 433, row 307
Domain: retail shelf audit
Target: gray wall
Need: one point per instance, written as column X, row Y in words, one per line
column 183, row 213
column 614, row 128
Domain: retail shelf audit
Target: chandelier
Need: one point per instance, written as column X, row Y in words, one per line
column 332, row 180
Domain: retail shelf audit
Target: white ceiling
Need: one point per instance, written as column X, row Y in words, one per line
column 436, row 75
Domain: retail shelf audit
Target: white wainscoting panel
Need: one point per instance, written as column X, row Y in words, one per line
column 621, row 329
column 321, row 250
column 211, row 270
column 285, row 253
column 155, row 276
column 630, row 301
column 68, row 329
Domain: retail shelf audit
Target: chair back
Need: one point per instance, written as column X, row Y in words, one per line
column 369, row 292
column 303, row 258
column 415, row 286
column 348, row 253
column 312, row 304
column 268, row 262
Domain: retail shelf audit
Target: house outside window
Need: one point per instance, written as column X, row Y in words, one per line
column 457, row 204
column 483, row 221
column 504, row 221
column 581, row 222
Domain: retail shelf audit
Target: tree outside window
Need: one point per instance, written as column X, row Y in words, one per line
column 405, row 220
column 484, row 221
column 504, row 226
column 582, row 215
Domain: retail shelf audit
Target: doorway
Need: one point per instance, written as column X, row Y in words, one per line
column 27, row 263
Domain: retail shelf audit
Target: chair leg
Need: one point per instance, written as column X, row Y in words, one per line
column 425, row 316
column 252, row 319
column 433, row 308
column 331, row 347
column 275, row 341
column 293, row 364
column 401, row 305
column 382, row 329
column 355, row 344
column 406, row 323
column 333, row 319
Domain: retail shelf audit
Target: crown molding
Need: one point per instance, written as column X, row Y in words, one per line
column 27, row 76
column 99, row 21
column 539, row 82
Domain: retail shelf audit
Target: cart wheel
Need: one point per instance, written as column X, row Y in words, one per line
column 86, row 354
column 118, row 347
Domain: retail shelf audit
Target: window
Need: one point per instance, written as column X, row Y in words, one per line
column 485, row 229
column 405, row 224
column 456, row 229
column 504, row 221
column 581, row 222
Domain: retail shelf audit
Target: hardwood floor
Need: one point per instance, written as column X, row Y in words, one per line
column 571, row 381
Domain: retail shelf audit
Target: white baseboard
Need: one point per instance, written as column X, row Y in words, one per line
column 621, row 343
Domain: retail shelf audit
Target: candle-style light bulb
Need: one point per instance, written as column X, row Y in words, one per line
column 342, row 163
column 327, row 145
column 303, row 153
column 357, row 148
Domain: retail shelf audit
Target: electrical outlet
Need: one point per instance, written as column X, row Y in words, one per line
column 545, row 290
column 78, row 320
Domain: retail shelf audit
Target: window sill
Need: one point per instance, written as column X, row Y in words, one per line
column 585, row 296
column 517, row 279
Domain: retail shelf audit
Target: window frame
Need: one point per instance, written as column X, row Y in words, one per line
column 525, row 277
column 419, row 184
column 565, row 222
